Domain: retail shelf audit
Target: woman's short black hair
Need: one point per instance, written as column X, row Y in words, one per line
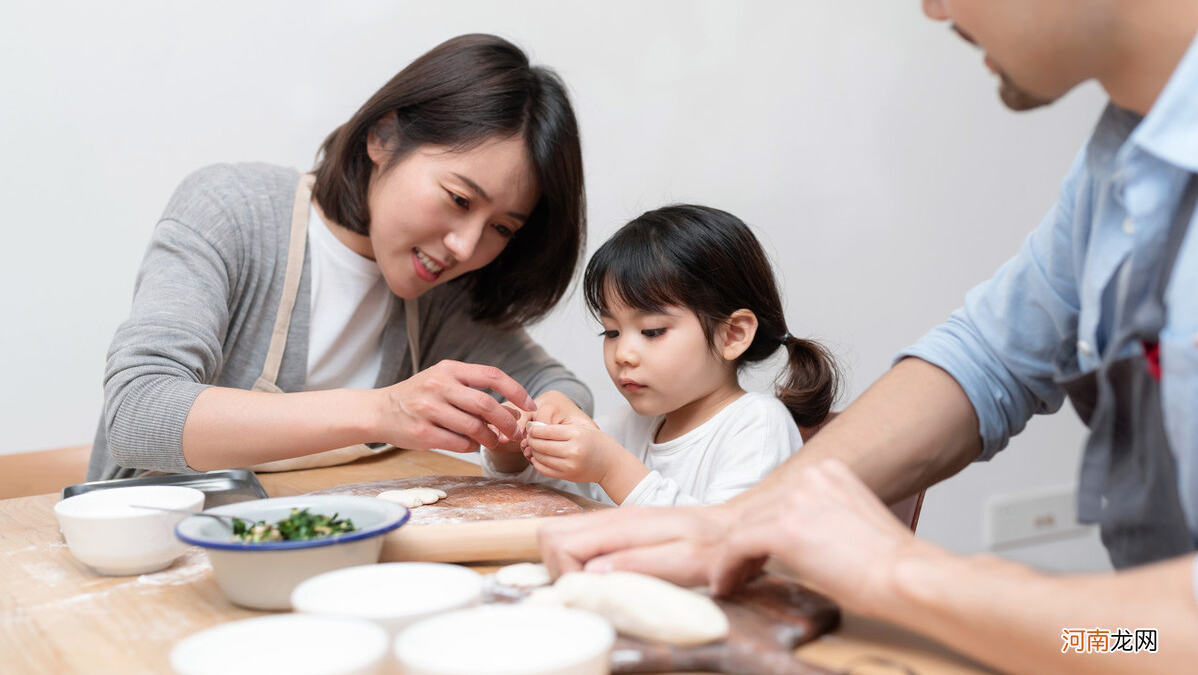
column 464, row 91
column 709, row 262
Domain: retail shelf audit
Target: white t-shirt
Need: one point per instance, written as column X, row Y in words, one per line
column 712, row 463
column 350, row 305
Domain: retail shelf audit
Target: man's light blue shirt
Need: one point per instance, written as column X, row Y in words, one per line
column 1096, row 249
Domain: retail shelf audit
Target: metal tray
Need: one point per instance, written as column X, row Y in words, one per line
column 220, row 487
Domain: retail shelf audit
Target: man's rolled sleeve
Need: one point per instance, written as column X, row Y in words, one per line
column 1001, row 405
column 1002, row 346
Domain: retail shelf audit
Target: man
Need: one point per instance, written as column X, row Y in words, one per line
column 1100, row 305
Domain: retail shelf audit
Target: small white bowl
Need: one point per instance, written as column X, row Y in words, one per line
column 296, row 644
column 104, row 531
column 507, row 640
column 262, row 575
column 393, row 595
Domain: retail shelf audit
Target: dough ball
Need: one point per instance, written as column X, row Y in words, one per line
column 523, row 575
column 641, row 606
column 413, row 497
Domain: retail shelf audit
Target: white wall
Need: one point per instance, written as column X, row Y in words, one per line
column 864, row 143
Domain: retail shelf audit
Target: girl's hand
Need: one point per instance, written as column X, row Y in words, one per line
column 554, row 407
column 510, row 454
column 444, row 407
column 574, row 451
column 578, row 451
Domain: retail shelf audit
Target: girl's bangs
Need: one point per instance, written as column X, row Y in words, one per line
column 635, row 274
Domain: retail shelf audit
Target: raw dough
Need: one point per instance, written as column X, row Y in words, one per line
column 640, row 606
column 413, row 497
column 523, row 575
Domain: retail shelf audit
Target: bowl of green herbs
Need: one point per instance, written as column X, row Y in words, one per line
column 261, row 550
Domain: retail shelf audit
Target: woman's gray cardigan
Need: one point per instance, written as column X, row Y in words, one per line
column 204, row 307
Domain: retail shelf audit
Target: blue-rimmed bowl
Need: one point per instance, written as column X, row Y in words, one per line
column 262, row 575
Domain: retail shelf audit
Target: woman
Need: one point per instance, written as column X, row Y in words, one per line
column 383, row 291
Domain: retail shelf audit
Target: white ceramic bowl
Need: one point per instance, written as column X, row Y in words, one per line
column 105, row 532
column 393, row 595
column 262, row 575
column 507, row 640
column 296, row 644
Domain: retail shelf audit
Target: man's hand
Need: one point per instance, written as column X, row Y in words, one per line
column 678, row 544
column 830, row 530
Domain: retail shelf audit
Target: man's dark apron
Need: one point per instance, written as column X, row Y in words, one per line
column 1128, row 477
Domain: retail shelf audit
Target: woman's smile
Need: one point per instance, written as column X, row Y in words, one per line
column 427, row 267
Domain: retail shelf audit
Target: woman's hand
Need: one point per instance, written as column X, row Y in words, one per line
column 444, row 407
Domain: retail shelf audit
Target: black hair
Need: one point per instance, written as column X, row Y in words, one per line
column 463, row 92
column 708, row 261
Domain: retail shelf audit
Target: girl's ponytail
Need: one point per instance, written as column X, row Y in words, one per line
column 810, row 382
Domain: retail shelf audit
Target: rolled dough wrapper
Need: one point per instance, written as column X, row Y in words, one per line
column 640, row 606
column 413, row 497
column 523, row 575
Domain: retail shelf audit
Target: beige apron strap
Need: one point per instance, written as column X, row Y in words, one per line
column 278, row 339
column 291, row 282
column 412, row 315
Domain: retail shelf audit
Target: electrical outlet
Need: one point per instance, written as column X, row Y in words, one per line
column 1032, row 517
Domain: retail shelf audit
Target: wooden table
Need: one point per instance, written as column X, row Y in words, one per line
column 57, row 616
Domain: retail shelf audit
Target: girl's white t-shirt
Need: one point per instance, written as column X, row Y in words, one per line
column 350, row 305
column 712, row 463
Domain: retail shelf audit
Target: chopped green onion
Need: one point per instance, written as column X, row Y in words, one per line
column 300, row 525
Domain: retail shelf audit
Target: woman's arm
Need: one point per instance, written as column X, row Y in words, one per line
column 440, row 407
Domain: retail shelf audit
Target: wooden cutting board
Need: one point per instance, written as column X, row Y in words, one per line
column 768, row 619
column 470, row 498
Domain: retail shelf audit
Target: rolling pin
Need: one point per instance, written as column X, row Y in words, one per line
column 474, row 541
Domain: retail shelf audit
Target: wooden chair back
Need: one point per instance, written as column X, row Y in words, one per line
column 24, row 474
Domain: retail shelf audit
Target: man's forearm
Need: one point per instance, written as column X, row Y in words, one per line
column 1016, row 619
column 913, row 428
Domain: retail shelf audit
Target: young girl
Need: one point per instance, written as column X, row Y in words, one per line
column 442, row 217
column 686, row 297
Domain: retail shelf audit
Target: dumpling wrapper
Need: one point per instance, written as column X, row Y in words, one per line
column 640, row 606
column 413, row 497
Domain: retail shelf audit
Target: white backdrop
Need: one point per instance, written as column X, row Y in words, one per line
column 863, row 142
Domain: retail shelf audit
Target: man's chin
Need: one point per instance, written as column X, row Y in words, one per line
column 1018, row 99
